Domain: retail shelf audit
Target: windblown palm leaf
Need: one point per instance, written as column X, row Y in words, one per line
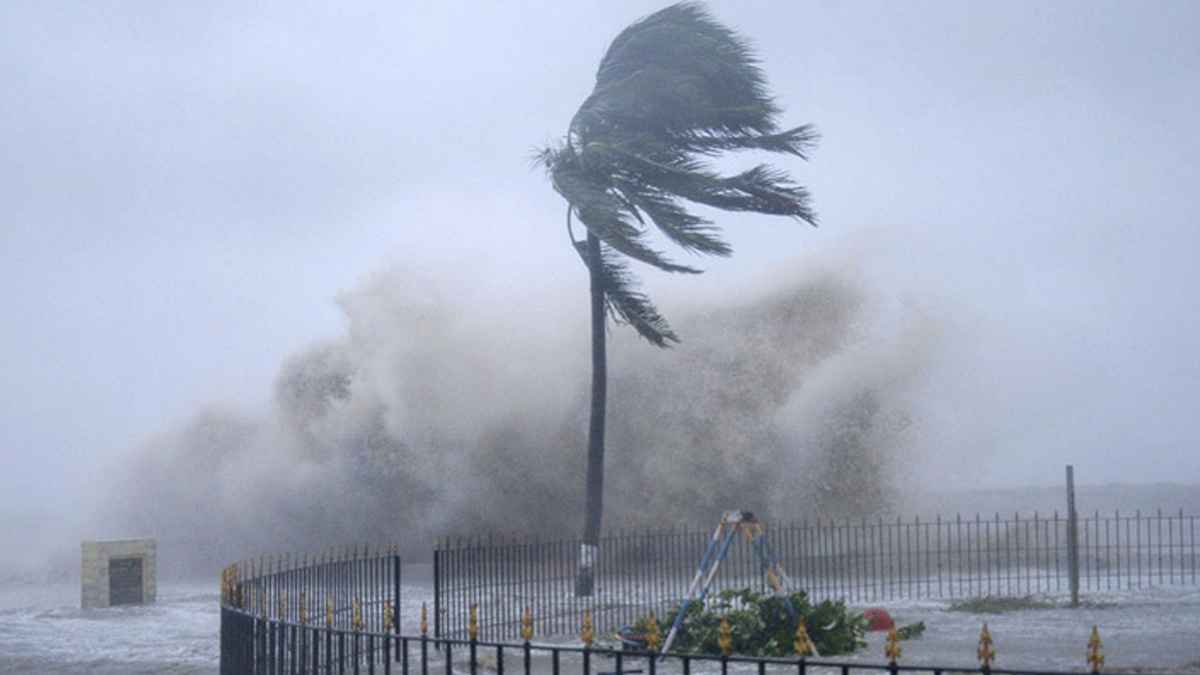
column 674, row 89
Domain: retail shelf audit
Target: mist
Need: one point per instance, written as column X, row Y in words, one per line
column 429, row 417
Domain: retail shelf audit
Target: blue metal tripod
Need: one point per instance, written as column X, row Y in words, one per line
column 718, row 547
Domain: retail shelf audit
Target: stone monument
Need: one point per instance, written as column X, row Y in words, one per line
column 118, row 572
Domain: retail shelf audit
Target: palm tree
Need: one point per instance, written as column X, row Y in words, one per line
column 674, row 89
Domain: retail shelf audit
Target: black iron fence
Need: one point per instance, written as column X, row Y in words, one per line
column 260, row 645
column 297, row 614
column 336, row 651
column 338, row 612
column 859, row 561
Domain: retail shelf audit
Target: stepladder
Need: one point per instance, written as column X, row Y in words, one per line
column 732, row 523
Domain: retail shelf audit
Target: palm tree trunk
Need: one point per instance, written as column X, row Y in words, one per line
column 585, row 580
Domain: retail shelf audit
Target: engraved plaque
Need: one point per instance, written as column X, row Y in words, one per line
column 125, row 581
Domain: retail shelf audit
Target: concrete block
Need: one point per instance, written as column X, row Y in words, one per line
column 118, row 572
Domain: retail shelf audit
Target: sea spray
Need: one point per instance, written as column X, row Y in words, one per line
column 428, row 417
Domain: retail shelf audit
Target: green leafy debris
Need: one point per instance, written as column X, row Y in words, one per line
column 762, row 626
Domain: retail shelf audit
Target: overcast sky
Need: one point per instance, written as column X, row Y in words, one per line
column 186, row 187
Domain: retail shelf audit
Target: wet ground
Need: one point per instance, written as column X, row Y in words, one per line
column 42, row 630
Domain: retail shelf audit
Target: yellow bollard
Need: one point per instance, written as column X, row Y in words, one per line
column 892, row 649
column 803, row 644
column 473, row 623
column 424, row 620
column 653, row 637
column 986, row 651
column 527, row 625
column 586, row 632
column 328, row 612
column 388, row 618
column 725, row 637
column 1095, row 651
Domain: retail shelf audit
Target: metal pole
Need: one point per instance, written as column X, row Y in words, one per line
column 437, row 592
column 1072, row 536
column 397, row 611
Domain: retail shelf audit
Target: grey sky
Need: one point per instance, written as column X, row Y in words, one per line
column 187, row 186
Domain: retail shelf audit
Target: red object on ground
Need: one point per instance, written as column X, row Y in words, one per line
column 878, row 619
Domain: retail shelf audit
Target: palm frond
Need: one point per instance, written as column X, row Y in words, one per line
column 689, row 231
column 761, row 189
column 625, row 303
column 799, row 142
column 604, row 213
column 679, row 68
column 674, row 89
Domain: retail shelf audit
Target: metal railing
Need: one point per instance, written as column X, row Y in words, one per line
column 859, row 561
column 271, row 608
column 260, row 645
column 337, row 612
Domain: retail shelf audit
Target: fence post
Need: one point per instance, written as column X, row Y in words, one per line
column 396, row 590
column 1072, row 537
column 437, row 591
